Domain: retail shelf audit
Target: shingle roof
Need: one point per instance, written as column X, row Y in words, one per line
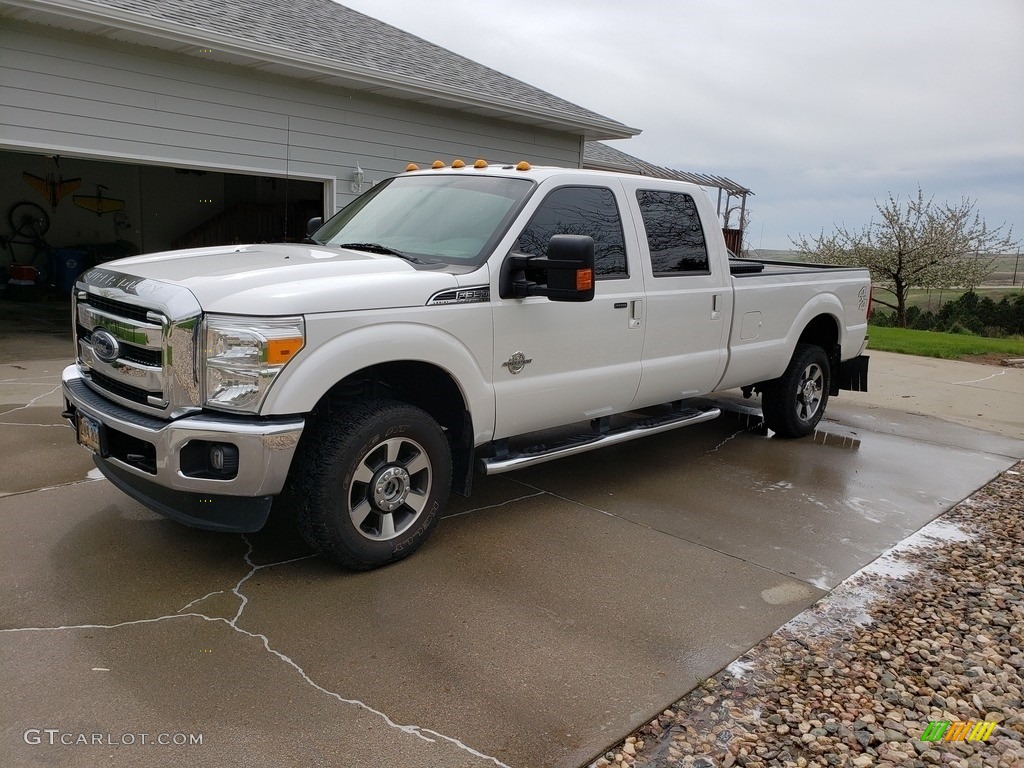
column 600, row 156
column 331, row 38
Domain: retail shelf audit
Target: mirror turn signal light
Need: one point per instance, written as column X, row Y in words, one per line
column 584, row 279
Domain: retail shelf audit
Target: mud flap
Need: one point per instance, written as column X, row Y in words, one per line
column 853, row 374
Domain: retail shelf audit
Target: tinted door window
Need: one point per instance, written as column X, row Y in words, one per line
column 580, row 211
column 674, row 234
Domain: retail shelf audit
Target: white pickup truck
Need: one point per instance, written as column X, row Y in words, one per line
column 425, row 332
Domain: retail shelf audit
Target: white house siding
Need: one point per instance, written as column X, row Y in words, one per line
column 67, row 93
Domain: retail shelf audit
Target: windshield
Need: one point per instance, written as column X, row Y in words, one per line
column 440, row 218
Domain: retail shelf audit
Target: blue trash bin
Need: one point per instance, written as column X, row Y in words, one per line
column 68, row 264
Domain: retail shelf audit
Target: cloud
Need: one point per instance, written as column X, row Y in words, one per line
column 818, row 107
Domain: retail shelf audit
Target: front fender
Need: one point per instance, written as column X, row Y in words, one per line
column 330, row 356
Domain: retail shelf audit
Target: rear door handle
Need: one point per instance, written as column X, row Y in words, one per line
column 636, row 312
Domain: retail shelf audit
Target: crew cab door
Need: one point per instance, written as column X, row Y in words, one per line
column 688, row 288
column 561, row 362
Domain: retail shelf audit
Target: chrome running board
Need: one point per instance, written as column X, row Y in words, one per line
column 529, row 457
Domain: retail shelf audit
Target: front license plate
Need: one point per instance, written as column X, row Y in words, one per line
column 89, row 432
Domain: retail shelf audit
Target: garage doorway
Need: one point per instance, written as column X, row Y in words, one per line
column 62, row 215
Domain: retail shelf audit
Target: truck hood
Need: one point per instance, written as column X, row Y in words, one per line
column 289, row 279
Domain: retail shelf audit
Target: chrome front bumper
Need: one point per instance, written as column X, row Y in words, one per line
column 265, row 451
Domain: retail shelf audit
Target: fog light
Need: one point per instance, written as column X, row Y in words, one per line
column 224, row 458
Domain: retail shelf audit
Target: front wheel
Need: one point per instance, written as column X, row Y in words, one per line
column 793, row 404
column 371, row 481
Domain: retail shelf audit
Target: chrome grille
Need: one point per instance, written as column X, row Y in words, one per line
column 140, row 355
column 152, row 366
column 119, row 308
column 128, row 392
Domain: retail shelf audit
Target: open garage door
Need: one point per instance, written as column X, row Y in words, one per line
column 62, row 215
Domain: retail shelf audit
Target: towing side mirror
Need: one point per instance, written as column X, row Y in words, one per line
column 314, row 224
column 565, row 274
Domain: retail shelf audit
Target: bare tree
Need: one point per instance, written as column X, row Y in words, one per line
column 915, row 244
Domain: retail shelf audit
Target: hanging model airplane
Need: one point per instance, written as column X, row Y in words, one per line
column 98, row 203
column 53, row 188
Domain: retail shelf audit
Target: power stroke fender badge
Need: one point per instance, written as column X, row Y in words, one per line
column 517, row 362
column 105, row 345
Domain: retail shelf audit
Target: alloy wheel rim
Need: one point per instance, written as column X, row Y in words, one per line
column 390, row 488
column 809, row 392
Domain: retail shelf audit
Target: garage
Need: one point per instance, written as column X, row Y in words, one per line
column 66, row 214
column 132, row 127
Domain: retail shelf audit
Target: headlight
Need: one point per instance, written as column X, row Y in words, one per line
column 243, row 355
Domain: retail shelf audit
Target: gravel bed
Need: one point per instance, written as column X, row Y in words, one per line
column 933, row 630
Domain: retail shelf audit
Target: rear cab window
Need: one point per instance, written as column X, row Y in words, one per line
column 675, row 236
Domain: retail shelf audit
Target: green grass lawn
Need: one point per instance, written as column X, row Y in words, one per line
column 952, row 346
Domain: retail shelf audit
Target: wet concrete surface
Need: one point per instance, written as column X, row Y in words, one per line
column 802, row 508
column 35, row 330
column 550, row 614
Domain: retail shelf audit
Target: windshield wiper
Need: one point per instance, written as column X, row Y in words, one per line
column 378, row 248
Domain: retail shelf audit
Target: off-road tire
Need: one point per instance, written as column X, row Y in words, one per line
column 363, row 467
column 793, row 404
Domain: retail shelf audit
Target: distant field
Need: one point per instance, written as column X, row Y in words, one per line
column 933, row 299
column 1002, row 275
column 951, row 346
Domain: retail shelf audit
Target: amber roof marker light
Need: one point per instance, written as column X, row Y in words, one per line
column 411, row 167
column 522, row 165
column 437, row 164
column 458, row 164
column 481, row 163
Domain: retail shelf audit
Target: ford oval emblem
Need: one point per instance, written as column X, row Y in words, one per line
column 105, row 345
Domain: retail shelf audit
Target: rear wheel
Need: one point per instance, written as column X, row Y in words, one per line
column 371, row 482
column 794, row 403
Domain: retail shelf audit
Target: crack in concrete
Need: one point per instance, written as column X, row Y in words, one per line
column 577, row 502
column 975, row 381
column 26, row 424
column 200, row 599
column 495, row 506
column 730, row 437
column 31, row 402
column 419, row 732
column 4, row 494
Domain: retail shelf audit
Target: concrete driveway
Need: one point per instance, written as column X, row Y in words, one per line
column 552, row 613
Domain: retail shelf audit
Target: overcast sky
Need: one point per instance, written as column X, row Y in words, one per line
column 818, row 107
